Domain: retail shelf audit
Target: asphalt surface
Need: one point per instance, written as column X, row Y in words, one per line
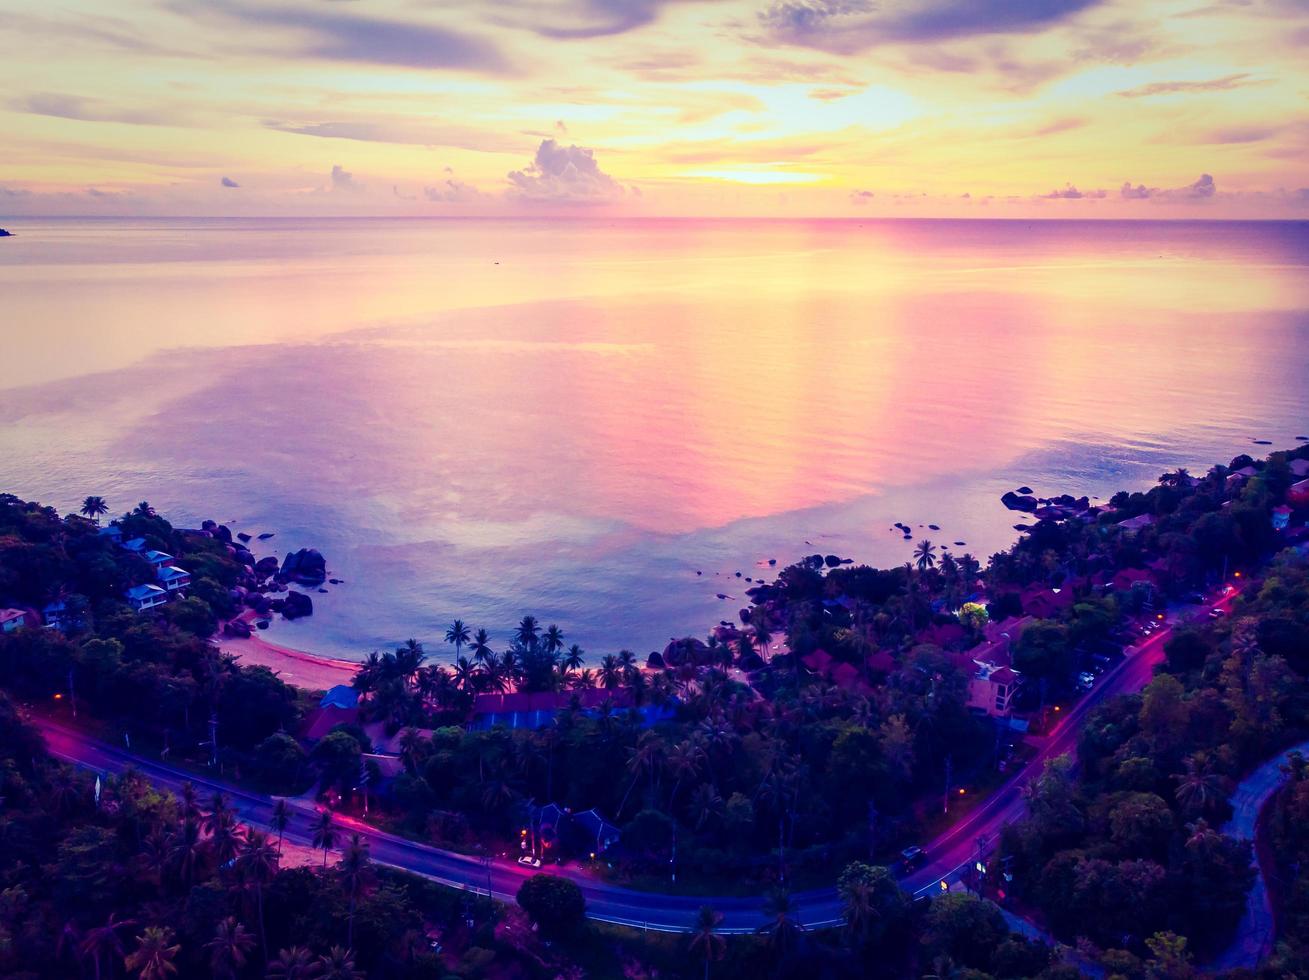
column 948, row 855
column 1254, row 936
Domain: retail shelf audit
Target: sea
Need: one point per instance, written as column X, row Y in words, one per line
column 619, row 425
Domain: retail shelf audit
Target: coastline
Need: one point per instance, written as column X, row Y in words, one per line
column 307, row 671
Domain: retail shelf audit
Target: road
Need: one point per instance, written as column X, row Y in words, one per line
column 950, row 853
column 1255, row 935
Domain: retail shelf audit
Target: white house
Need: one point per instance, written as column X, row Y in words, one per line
column 173, row 578
column 142, row 597
column 12, row 619
column 157, row 558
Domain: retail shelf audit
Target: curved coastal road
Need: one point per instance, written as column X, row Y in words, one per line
column 1255, row 934
column 949, row 854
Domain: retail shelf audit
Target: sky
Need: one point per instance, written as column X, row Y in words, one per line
column 787, row 108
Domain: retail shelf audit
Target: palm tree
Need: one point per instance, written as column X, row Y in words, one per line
column 644, row 757
column 368, row 675
column 153, row 957
column 95, row 508
column 705, row 941
column 190, row 802
column 706, row 804
column 103, row 943
column 281, row 819
column 481, row 646
column 188, row 851
column 553, row 640
column 143, row 509
column 338, row 964
column 627, row 661
column 611, row 672
column 296, row 963
column 527, row 631
column 413, row 748
column 408, row 659
column 457, row 634
column 573, row 659
column 325, row 833
column 356, row 875
column 258, row 863
column 783, row 929
column 228, row 948
column 925, row 555
column 1198, row 788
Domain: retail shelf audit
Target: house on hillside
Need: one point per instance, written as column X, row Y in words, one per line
column 53, row 613
column 1134, row 524
column 1281, row 517
column 157, row 558
column 12, row 619
column 993, row 681
column 338, row 706
column 1046, row 603
column 173, row 578
column 134, row 544
column 143, row 597
column 111, row 532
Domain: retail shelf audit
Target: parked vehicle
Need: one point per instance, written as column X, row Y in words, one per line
column 912, row 857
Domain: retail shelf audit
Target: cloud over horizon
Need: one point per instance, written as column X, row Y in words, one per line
column 563, row 175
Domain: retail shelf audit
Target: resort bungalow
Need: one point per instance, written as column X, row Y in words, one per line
column 523, row 709
column 157, row 558
column 339, row 706
column 173, row 578
column 134, row 544
column 143, row 597
column 1298, row 495
column 112, row 532
column 53, row 614
column 12, row 619
column 1134, row 524
column 1238, row 477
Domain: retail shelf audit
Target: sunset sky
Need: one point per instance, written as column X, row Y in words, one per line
column 1051, row 108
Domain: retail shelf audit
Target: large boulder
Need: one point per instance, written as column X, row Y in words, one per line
column 297, row 604
column 223, row 533
column 265, row 567
column 238, row 628
column 1014, row 501
column 243, row 556
column 306, row 566
column 655, row 661
column 687, row 650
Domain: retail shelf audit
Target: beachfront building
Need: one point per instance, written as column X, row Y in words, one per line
column 143, row 597
column 12, row 619
column 173, row 578
column 1134, row 524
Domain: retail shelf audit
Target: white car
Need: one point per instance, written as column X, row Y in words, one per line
column 528, row 861
column 1086, row 680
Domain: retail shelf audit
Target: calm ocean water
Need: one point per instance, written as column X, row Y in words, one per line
column 571, row 418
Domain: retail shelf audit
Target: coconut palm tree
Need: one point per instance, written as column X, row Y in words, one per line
column 188, row 851
column 258, row 864
column 295, row 963
column 143, row 509
column 1197, row 788
column 925, row 555
column 356, row 876
column 573, row 659
column 229, row 949
column 408, row 659
column 103, row 945
column 325, row 833
column 644, row 757
column 481, row 646
column 281, row 820
column 706, row 805
column 611, row 672
column 154, row 954
column 553, row 639
column 528, row 631
column 783, row 929
column 190, row 802
column 627, row 663
column 338, row 964
column 413, row 748
column 95, row 508
column 706, row 944
column 457, row 634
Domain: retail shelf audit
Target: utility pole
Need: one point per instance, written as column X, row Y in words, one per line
column 213, row 739
column 72, row 694
column 945, row 797
column 363, row 782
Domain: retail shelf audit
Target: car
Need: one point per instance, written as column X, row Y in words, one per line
column 529, row 861
column 912, row 857
column 1216, row 613
column 1086, row 680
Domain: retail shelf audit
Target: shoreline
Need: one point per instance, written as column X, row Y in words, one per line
column 303, row 670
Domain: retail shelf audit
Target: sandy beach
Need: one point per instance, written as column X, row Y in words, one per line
column 304, row 670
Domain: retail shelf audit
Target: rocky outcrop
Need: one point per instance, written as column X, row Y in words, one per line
column 297, row 605
column 306, row 566
column 267, row 566
column 687, row 650
column 1025, row 502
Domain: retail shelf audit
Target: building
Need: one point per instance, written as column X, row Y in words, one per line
column 134, row 544
column 1134, row 524
column 143, row 597
column 54, row 613
column 339, row 706
column 157, row 558
column 1298, row 495
column 173, row 578
column 12, row 619
column 112, row 532
column 1299, row 468
column 523, row 709
column 1281, row 517
column 994, row 682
